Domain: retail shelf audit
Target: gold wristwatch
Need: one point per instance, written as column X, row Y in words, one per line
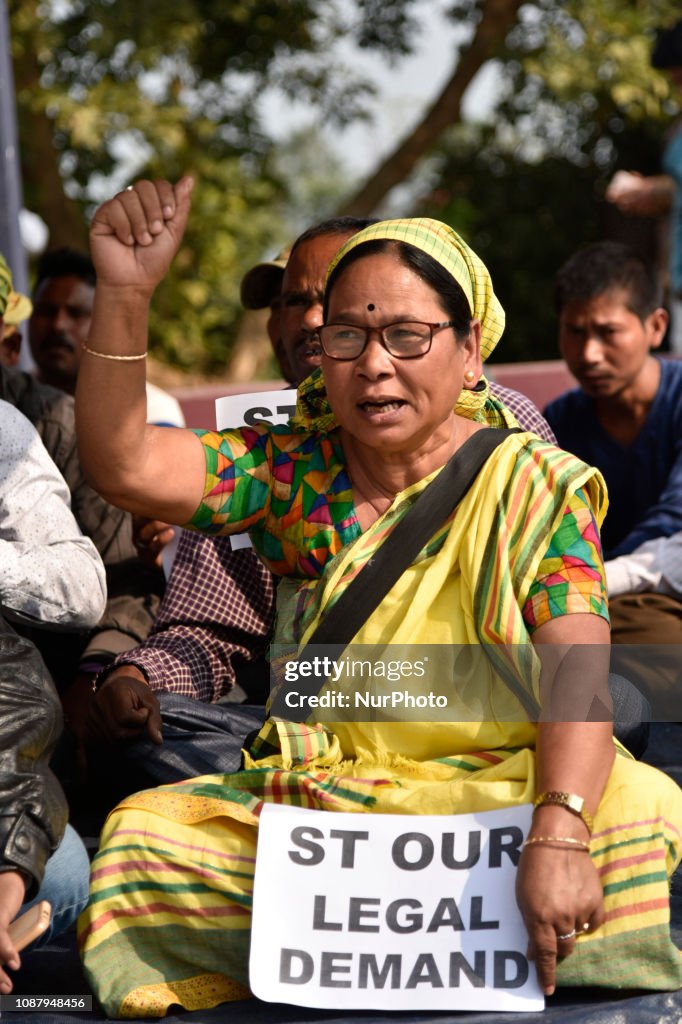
column 571, row 801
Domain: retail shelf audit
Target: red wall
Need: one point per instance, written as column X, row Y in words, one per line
column 541, row 381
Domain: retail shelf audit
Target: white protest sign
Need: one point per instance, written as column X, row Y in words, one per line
column 276, row 407
column 391, row 912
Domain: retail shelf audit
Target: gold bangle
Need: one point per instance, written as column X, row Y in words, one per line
column 108, row 355
column 557, row 839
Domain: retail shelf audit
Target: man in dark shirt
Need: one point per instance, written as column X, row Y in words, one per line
column 626, row 416
column 626, row 419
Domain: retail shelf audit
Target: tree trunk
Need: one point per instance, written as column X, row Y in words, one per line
column 497, row 18
column 252, row 351
column 42, row 182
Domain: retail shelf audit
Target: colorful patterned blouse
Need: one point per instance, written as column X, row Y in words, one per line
column 292, row 492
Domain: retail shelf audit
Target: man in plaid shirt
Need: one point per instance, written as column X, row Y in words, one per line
column 169, row 694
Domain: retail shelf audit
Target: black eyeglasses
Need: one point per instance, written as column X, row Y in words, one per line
column 403, row 340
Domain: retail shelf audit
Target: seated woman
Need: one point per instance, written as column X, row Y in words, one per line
column 409, row 314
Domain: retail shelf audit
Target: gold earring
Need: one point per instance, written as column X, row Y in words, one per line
column 469, row 376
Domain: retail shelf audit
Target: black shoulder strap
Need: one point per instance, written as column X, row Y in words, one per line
column 395, row 554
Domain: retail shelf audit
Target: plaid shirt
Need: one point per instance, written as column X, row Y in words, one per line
column 526, row 412
column 219, row 604
column 217, row 611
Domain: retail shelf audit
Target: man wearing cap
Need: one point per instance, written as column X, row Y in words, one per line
column 18, row 309
column 49, row 572
column 215, row 620
column 52, row 577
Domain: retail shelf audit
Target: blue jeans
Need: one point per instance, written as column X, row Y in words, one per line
column 198, row 739
column 631, row 715
column 205, row 739
column 65, row 885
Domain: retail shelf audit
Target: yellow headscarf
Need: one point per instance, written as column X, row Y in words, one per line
column 14, row 307
column 5, row 284
column 447, row 248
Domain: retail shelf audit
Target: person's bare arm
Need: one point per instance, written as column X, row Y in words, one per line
column 156, row 472
column 643, row 196
column 558, row 889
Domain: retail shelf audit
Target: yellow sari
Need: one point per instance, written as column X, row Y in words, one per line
column 169, row 916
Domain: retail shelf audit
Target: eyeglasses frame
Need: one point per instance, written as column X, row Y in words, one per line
column 380, row 331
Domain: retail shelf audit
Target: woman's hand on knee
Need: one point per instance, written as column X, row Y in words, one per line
column 560, row 897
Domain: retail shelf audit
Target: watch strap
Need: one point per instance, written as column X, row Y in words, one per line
column 571, row 801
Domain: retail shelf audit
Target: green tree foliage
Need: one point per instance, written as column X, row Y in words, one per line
column 578, row 100
column 112, row 90
column 575, row 69
column 524, row 218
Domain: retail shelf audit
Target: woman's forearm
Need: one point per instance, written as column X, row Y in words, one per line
column 557, row 886
column 575, row 748
column 111, row 403
column 152, row 471
column 574, row 758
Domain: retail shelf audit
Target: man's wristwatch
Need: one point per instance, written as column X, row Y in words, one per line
column 571, row 801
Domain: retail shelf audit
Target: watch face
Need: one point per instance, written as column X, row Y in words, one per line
column 571, row 801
